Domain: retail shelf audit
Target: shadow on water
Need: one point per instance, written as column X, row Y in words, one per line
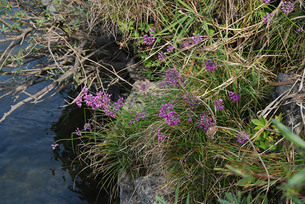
column 88, row 188
column 30, row 172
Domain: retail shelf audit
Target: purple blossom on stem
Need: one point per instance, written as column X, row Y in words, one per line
column 300, row 30
column 144, row 86
column 100, row 101
column 287, row 7
column 172, row 77
column 233, row 96
column 170, row 49
column 152, row 29
column 267, row 17
column 205, row 122
column 192, row 100
column 78, row 132
column 54, row 146
column 78, row 101
column 187, row 43
column 148, row 39
column 242, row 138
column 266, row 1
column 161, row 56
column 161, row 135
column 210, row 65
column 219, row 104
column 87, row 126
column 189, row 117
column 197, row 39
column 167, row 112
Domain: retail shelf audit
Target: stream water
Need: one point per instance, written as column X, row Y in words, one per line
column 30, row 171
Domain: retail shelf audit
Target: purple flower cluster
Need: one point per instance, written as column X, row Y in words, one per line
column 267, row 17
column 195, row 40
column 233, row 96
column 138, row 116
column 170, row 49
column 162, row 55
column 300, row 30
column 149, row 39
column 187, row 43
column 266, row 1
column 172, row 77
column 160, row 135
column 100, row 101
column 167, row 112
column 87, row 126
column 192, row 100
column 189, row 117
column 219, row 104
column 242, row 138
column 78, row 132
column 210, row 65
column 205, row 121
column 287, row 7
column 54, row 146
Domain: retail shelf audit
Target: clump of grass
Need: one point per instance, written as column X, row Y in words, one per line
column 208, row 148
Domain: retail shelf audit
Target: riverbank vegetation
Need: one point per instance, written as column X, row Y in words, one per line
column 204, row 120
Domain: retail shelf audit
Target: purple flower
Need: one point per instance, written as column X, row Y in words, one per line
column 219, row 104
column 161, row 56
column 78, row 101
column 84, row 90
column 173, row 77
column 267, row 17
column 210, row 65
column 170, row 49
column 78, row 132
column 144, row 86
column 87, row 126
column 197, row 39
column 54, row 146
column 189, row 117
column 192, row 100
column 167, row 112
column 233, row 96
column 266, row 1
column 242, row 138
column 287, row 7
column 300, row 30
column 160, row 134
column 152, row 29
column 148, row 40
column 187, row 43
column 205, row 121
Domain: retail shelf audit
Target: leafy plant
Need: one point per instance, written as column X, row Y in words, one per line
column 267, row 138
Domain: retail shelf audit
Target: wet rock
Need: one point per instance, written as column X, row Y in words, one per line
column 287, row 90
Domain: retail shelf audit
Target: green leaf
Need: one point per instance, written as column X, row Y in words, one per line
column 296, row 179
column 160, row 200
column 289, row 135
column 257, row 122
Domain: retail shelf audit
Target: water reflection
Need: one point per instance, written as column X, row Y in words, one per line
column 30, row 172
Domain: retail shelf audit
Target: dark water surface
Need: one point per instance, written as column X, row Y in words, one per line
column 30, row 171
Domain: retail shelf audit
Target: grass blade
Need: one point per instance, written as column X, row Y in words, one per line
column 289, row 135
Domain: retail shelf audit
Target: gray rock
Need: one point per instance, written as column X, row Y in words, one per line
column 143, row 191
column 292, row 101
